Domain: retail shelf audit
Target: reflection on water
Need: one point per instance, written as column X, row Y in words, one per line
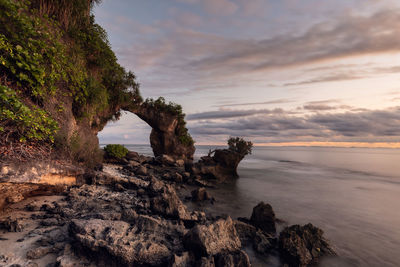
column 352, row 194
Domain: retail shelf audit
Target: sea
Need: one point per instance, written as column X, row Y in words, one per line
column 353, row 194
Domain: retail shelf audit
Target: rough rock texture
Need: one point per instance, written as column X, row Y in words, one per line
column 207, row 240
column 263, row 217
column 222, row 166
column 164, row 137
column 303, row 245
column 138, row 244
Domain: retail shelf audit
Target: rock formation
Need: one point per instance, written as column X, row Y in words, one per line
column 165, row 137
column 303, row 245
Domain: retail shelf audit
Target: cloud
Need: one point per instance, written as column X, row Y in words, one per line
column 328, row 78
column 362, row 126
column 271, row 102
column 224, row 114
column 352, row 35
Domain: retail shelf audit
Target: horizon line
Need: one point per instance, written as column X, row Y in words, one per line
column 394, row 145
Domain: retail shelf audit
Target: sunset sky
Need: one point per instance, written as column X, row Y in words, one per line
column 306, row 72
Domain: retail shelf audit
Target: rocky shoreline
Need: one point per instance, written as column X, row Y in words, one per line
column 136, row 212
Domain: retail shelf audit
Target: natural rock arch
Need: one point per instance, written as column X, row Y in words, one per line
column 165, row 137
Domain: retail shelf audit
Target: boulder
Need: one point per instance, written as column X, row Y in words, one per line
column 263, row 217
column 217, row 237
column 200, row 194
column 119, row 242
column 132, row 155
column 142, row 170
column 169, row 204
column 303, row 245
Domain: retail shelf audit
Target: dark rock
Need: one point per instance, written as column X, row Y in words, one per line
column 263, row 217
column 233, row 259
column 132, row 155
column 245, row 231
column 207, row 240
column 303, row 245
column 200, row 194
column 263, row 243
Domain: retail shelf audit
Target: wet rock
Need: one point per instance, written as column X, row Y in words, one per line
column 206, row 240
column 263, row 217
column 206, row 262
column 303, row 245
column 234, row 259
column 263, row 243
column 200, row 194
column 134, row 163
column 245, row 231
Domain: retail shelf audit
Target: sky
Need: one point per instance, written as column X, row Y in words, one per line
column 287, row 72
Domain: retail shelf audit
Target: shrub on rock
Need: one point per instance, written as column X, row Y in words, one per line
column 116, row 151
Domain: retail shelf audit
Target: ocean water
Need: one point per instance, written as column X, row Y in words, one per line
column 353, row 194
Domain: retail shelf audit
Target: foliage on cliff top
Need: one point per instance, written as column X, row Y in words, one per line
column 240, row 145
column 53, row 50
column 176, row 110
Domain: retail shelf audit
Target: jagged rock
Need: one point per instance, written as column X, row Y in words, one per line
column 139, row 244
column 245, row 231
column 200, row 194
column 206, row 240
column 206, row 262
column 222, row 166
column 303, row 245
column 235, row 259
column 169, row 204
column 180, row 163
column 263, row 217
column 263, row 243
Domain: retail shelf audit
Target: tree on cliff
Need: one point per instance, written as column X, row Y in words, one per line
column 239, row 145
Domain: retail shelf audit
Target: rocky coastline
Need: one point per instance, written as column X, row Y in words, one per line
column 136, row 212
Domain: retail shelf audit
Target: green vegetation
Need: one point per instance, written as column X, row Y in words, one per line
column 181, row 131
column 116, row 151
column 17, row 120
column 240, row 145
column 53, row 55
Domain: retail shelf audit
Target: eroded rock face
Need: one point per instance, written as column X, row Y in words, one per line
column 222, row 166
column 263, row 217
column 207, row 240
column 303, row 245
